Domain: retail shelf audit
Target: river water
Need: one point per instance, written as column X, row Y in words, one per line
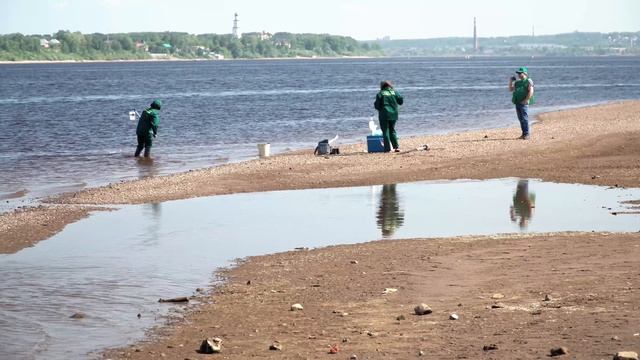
column 64, row 127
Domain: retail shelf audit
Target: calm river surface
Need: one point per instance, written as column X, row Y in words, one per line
column 64, row 127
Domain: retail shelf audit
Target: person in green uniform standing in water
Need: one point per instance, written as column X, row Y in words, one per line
column 387, row 101
column 147, row 128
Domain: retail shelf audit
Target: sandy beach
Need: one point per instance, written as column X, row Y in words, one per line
column 519, row 296
column 577, row 290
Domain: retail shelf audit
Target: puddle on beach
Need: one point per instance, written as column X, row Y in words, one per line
column 115, row 265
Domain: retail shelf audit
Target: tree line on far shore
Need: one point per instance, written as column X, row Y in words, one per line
column 66, row 45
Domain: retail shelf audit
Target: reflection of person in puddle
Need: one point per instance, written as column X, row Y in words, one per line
column 390, row 216
column 523, row 204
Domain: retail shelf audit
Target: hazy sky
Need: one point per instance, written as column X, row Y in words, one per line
column 361, row 19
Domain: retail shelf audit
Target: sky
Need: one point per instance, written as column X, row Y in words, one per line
column 360, row 19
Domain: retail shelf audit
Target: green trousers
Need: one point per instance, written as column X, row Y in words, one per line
column 389, row 134
column 144, row 142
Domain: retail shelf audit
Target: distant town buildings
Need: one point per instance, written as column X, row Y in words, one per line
column 49, row 43
column 263, row 43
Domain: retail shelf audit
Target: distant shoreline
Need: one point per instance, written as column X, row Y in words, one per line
column 80, row 61
column 2, row 62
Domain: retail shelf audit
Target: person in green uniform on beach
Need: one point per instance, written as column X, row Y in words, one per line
column 147, row 128
column 522, row 96
column 387, row 101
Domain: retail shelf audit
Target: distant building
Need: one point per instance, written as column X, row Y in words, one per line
column 265, row 35
column 54, row 42
column 475, row 36
column 44, row 43
column 234, row 30
column 260, row 35
column 283, row 43
column 141, row 45
column 541, row 46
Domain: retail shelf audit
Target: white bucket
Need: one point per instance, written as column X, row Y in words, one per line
column 263, row 150
column 132, row 115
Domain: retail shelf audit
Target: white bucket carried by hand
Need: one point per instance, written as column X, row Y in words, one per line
column 264, row 150
column 133, row 115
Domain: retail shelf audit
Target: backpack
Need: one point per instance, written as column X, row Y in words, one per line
column 323, row 148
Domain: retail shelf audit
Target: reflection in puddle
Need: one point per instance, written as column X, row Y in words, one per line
column 390, row 216
column 524, row 203
column 146, row 167
column 115, row 265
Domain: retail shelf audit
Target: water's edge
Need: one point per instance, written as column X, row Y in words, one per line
column 21, row 199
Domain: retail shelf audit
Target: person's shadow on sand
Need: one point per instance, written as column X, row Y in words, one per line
column 390, row 216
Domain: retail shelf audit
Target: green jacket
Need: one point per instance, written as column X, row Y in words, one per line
column 521, row 90
column 386, row 103
column 148, row 122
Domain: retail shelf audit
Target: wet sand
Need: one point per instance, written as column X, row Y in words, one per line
column 589, row 280
column 591, row 145
column 521, row 294
column 27, row 226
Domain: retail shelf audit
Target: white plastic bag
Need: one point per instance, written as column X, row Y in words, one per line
column 374, row 128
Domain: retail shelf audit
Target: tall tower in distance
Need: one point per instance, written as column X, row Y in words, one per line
column 475, row 35
column 234, row 31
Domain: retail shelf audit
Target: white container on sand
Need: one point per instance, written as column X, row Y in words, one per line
column 264, row 150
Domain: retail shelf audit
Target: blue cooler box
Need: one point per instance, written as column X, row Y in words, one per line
column 375, row 143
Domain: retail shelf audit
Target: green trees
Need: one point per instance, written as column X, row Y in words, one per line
column 67, row 45
column 71, row 42
column 19, row 43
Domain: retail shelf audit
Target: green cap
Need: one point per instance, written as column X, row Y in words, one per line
column 522, row 69
column 156, row 104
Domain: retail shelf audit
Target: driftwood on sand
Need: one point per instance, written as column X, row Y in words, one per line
column 175, row 300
